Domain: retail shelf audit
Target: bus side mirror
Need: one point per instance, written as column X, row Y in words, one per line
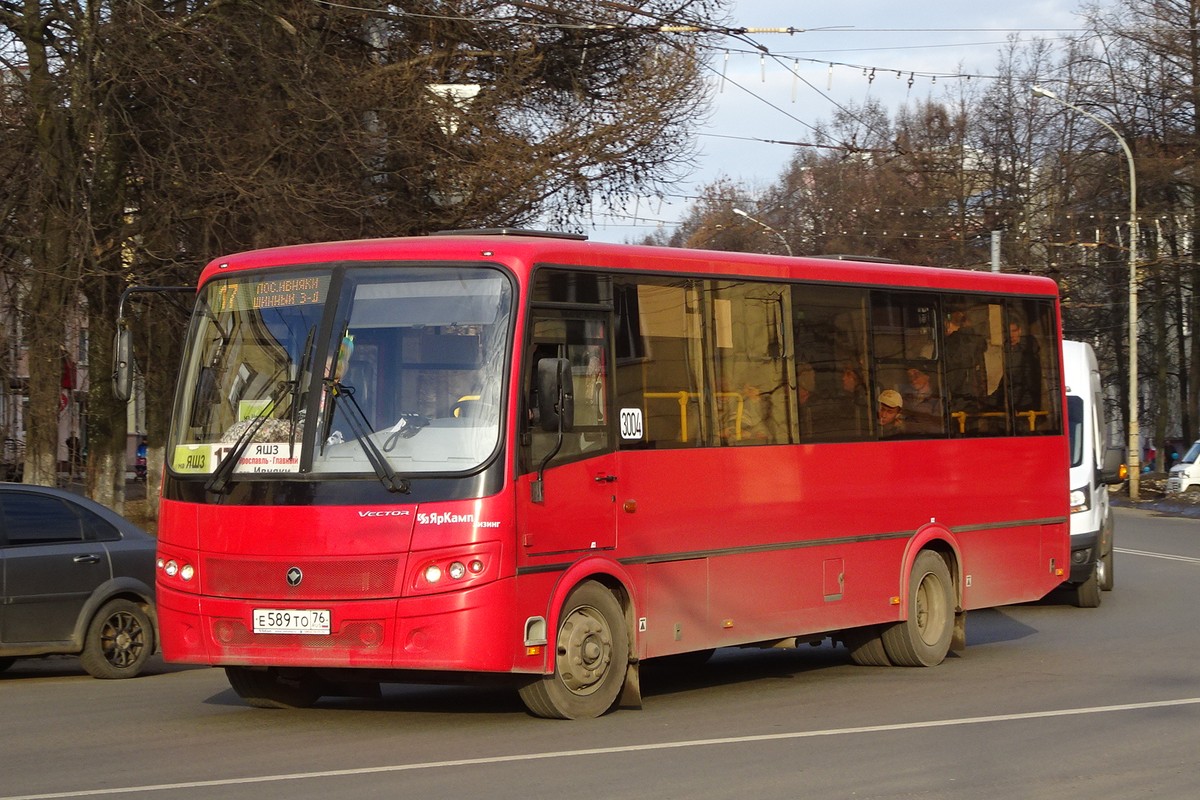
column 556, row 395
column 122, row 375
column 1110, row 470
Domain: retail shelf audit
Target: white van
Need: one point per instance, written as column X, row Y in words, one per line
column 1094, row 465
column 1186, row 473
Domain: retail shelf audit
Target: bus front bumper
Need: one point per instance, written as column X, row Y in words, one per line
column 454, row 631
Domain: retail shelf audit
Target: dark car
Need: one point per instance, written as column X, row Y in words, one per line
column 75, row 578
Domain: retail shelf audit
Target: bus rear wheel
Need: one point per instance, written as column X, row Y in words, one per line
column 268, row 687
column 590, row 661
column 923, row 639
column 866, row 646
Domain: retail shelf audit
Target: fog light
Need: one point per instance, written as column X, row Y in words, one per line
column 187, row 572
column 433, row 573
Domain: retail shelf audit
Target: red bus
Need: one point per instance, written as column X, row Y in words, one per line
column 526, row 456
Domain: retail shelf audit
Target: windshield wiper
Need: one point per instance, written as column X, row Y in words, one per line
column 362, row 431
column 224, row 471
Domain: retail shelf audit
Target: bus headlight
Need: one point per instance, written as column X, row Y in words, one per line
column 173, row 568
column 455, row 568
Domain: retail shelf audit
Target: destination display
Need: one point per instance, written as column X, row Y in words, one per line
column 255, row 293
column 259, row 457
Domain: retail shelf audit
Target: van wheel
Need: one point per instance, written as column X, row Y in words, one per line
column 118, row 642
column 1106, row 560
column 1087, row 594
column 271, row 687
column 591, row 658
column 923, row 639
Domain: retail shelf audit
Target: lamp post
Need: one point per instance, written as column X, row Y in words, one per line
column 786, row 246
column 1133, row 456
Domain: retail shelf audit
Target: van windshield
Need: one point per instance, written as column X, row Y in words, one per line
column 1192, row 454
column 1075, row 428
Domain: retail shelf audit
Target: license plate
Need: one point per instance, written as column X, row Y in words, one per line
column 307, row 621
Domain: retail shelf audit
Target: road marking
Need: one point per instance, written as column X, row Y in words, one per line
column 1147, row 554
column 599, row 751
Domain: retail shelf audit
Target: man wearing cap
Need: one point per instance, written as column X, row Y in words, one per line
column 890, row 421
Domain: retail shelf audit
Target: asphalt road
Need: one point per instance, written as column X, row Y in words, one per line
column 1047, row 701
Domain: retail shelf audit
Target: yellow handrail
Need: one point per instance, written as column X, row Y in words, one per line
column 682, row 397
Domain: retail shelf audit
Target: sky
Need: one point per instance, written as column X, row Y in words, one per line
column 826, row 63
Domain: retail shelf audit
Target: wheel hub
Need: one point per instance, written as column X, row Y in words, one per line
column 584, row 651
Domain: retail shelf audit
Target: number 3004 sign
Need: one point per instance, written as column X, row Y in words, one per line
column 631, row 423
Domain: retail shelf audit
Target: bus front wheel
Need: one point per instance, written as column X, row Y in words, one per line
column 590, row 661
column 270, row 688
column 923, row 638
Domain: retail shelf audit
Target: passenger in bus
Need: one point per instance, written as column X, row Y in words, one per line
column 966, row 376
column 890, row 415
column 812, row 410
column 1024, row 361
column 853, row 407
column 922, row 404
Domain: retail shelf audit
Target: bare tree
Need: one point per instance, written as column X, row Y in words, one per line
column 156, row 135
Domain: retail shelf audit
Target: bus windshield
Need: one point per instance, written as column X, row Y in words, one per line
column 394, row 365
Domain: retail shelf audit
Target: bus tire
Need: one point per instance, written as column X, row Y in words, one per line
column 923, row 638
column 866, row 646
column 590, row 660
column 269, row 688
column 118, row 642
column 1087, row 594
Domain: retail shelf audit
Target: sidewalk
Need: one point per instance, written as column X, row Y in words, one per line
column 1153, row 498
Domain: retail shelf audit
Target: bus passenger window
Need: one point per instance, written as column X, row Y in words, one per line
column 966, row 342
column 908, row 359
column 1031, row 367
column 829, row 325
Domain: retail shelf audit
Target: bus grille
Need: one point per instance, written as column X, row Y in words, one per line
column 233, row 635
column 333, row 579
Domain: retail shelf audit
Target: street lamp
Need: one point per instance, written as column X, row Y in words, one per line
column 1132, row 457
column 786, row 246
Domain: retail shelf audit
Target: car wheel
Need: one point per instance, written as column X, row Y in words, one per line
column 119, row 641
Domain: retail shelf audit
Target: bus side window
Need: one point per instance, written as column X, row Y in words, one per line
column 908, row 359
column 829, row 326
column 582, row 342
column 973, row 354
column 1031, row 367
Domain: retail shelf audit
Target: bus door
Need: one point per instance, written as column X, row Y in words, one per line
column 568, row 483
